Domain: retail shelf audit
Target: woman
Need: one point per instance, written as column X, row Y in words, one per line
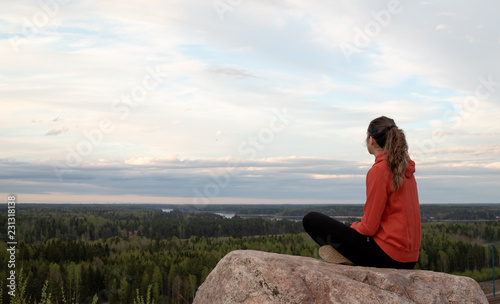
column 388, row 234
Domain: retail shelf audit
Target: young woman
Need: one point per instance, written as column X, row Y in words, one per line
column 388, row 234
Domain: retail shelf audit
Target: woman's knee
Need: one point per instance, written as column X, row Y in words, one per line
column 309, row 218
column 313, row 222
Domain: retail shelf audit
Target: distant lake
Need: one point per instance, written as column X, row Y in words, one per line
column 226, row 215
column 223, row 214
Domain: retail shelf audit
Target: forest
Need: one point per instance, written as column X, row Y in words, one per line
column 123, row 254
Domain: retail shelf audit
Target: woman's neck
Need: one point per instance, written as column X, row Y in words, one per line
column 377, row 151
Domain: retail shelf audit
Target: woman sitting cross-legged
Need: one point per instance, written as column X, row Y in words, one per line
column 388, row 234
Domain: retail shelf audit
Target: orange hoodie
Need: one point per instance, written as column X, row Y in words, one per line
column 392, row 218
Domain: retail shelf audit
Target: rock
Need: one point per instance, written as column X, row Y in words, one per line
column 247, row 276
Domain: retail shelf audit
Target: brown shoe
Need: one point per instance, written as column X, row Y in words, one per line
column 330, row 255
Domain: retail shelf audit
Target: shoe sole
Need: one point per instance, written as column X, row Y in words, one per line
column 330, row 255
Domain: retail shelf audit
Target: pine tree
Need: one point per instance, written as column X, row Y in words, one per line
column 21, row 296
column 46, row 298
column 140, row 299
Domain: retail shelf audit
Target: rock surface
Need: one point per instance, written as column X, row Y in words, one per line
column 247, row 276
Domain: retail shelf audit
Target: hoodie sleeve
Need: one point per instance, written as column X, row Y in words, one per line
column 376, row 200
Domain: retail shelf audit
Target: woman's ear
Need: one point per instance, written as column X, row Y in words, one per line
column 371, row 141
column 369, row 144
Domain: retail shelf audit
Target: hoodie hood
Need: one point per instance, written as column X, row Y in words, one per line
column 410, row 169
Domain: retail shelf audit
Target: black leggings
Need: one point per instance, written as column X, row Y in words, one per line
column 359, row 249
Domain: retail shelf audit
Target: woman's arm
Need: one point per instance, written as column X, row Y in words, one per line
column 376, row 200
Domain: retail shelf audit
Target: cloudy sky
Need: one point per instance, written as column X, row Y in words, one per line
column 236, row 101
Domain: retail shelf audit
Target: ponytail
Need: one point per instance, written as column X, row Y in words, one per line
column 392, row 139
column 397, row 155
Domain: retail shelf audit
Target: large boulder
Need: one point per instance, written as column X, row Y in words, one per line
column 247, row 276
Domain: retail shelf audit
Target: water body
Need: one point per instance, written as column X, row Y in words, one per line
column 226, row 215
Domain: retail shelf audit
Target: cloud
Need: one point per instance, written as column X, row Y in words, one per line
column 449, row 14
column 174, row 177
column 442, row 27
column 281, row 178
column 54, row 132
column 490, row 149
column 331, row 176
column 495, row 165
column 232, row 74
column 139, row 161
